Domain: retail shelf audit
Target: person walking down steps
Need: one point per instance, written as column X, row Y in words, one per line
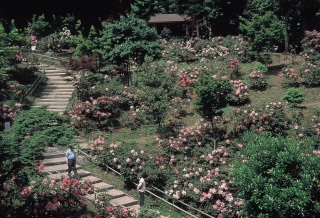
column 142, row 188
column 71, row 161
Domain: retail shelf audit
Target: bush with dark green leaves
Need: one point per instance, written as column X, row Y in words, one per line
column 293, row 96
column 31, row 133
column 128, row 37
column 277, row 177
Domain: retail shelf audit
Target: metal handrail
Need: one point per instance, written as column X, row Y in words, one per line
column 33, row 86
column 90, row 158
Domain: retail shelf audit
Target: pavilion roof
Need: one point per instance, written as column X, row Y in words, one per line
column 169, row 18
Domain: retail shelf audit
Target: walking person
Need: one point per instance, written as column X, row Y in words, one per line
column 71, row 161
column 142, row 187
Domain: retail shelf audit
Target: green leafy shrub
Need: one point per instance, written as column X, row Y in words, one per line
column 211, row 95
column 293, row 96
column 277, row 177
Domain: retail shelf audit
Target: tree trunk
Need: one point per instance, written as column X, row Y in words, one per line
column 286, row 39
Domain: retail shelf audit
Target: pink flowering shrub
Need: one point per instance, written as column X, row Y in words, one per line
column 311, row 128
column 311, row 46
column 198, row 172
column 310, row 73
column 178, row 50
column 45, row 197
column 222, row 48
column 290, row 77
column 257, row 80
column 100, row 103
column 105, row 209
column 240, row 94
column 270, row 117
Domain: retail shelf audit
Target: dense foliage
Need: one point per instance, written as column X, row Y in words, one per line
column 277, row 177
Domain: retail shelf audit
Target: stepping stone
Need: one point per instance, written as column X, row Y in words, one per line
column 58, row 176
column 58, row 168
column 114, row 193
column 101, row 186
column 124, row 201
column 54, row 161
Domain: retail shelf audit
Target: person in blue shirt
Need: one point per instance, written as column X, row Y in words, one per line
column 71, row 161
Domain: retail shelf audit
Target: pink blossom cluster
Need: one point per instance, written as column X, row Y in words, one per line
column 256, row 74
column 187, row 77
column 311, row 45
column 241, row 93
column 271, row 117
column 97, row 144
column 290, row 74
column 7, row 113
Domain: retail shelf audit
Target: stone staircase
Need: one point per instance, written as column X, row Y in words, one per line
column 58, row 90
column 55, row 165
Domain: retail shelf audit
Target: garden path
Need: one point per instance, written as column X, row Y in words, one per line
column 58, row 90
column 56, row 167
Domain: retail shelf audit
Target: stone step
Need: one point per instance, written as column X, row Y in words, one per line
column 54, row 161
column 52, row 103
column 60, row 76
column 57, row 82
column 58, row 176
column 58, row 168
column 54, row 155
column 48, row 68
column 114, row 193
column 56, row 74
column 57, row 79
column 55, row 70
column 92, row 179
column 60, row 111
column 57, row 93
column 101, row 186
column 60, row 99
column 67, row 85
column 124, row 201
column 50, row 107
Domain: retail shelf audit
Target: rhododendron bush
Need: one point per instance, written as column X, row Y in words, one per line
column 100, row 103
column 311, row 46
column 270, row 117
